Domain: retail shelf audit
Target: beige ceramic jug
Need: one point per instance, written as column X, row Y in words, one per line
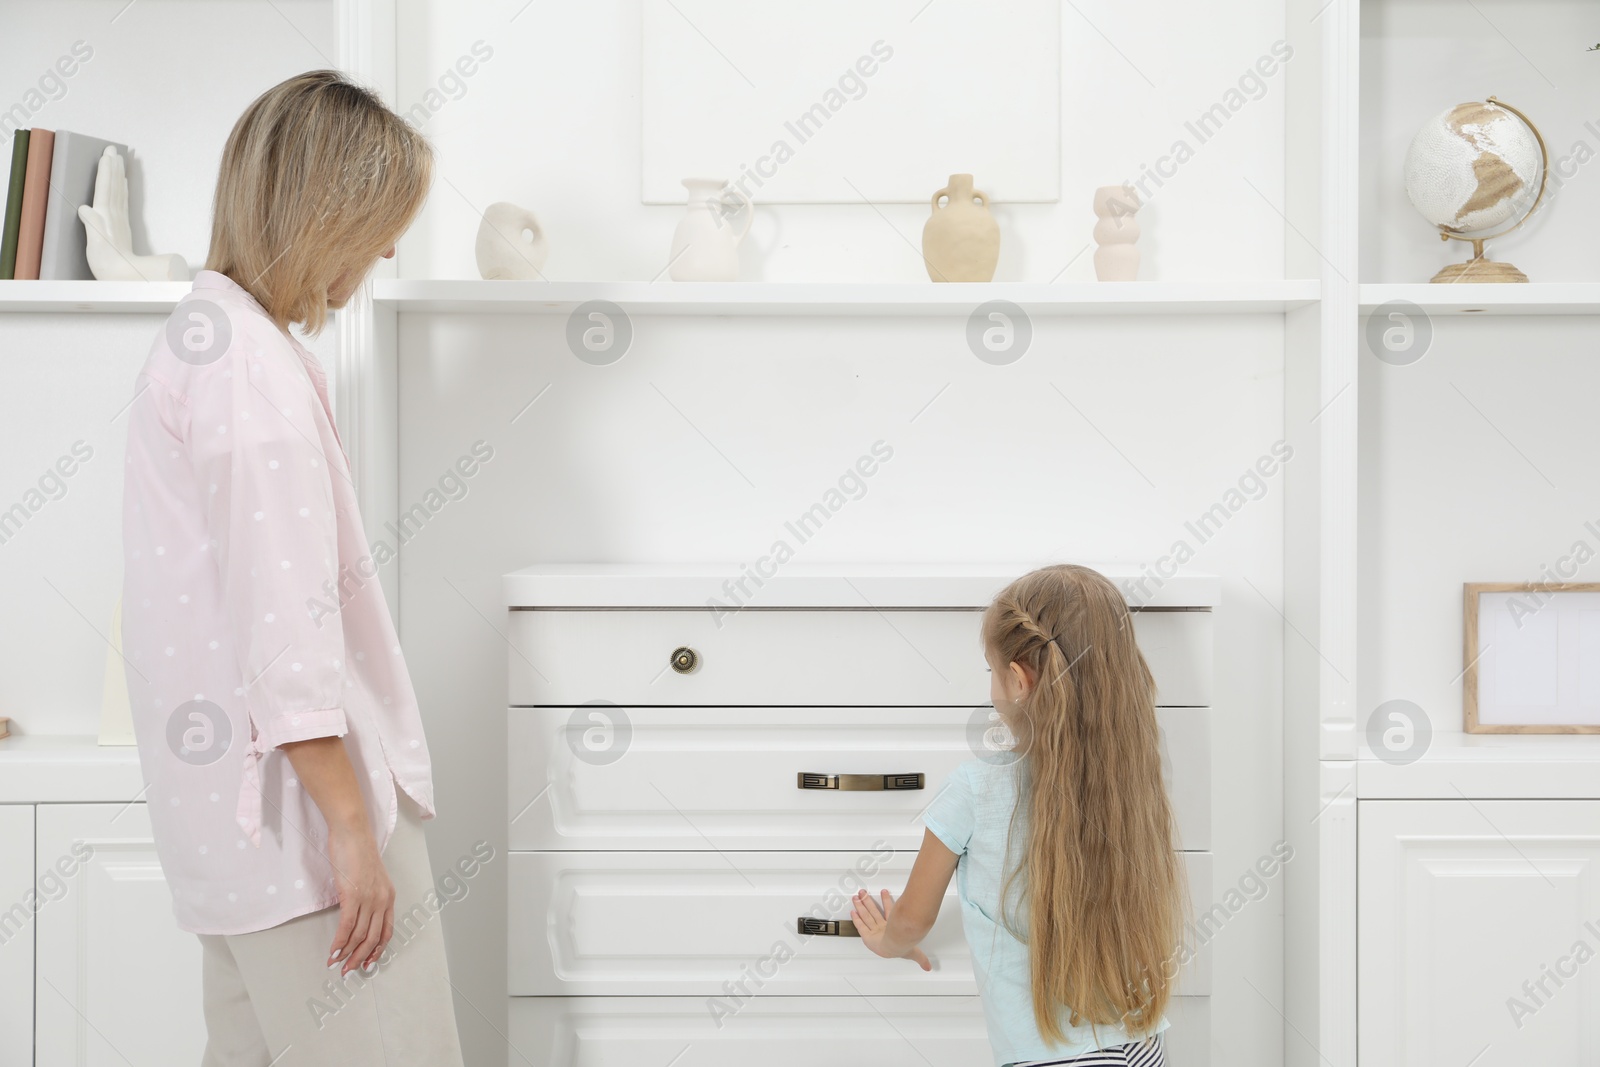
column 961, row 240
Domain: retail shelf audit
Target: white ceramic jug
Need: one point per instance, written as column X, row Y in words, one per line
column 705, row 246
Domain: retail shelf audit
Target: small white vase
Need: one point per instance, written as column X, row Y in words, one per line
column 511, row 243
column 1117, row 258
column 705, row 246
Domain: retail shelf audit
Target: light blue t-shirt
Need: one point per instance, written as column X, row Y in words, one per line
column 972, row 815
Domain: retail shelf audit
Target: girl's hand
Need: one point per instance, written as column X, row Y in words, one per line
column 872, row 923
column 366, row 899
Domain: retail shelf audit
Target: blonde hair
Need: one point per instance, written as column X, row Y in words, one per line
column 1104, row 888
column 318, row 179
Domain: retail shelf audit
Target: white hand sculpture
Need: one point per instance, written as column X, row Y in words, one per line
column 110, row 247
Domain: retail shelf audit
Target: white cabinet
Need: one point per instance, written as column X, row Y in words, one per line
column 643, row 923
column 1479, row 932
column 19, row 899
column 118, row 982
column 883, row 655
column 738, row 1031
column 671, row 821
column 697, row 777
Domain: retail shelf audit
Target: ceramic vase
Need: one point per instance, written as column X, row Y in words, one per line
column 961, row 240
column 511, row 243
column 1117, row 258
column 705, row 246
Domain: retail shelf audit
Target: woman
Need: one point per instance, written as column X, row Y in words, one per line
column 287, row 772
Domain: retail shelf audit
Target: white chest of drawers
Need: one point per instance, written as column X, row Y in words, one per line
column 672, row 825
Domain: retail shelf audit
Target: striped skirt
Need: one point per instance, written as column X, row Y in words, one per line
column 1146, row 1053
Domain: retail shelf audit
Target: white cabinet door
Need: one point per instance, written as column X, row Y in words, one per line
column 905, row 658
column 691, row 923
column 850, row 1031
column 659, row 778
column 119, row 983
column 19, row 898
column 1479, row 932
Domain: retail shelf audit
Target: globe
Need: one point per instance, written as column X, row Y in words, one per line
column 1472, row 168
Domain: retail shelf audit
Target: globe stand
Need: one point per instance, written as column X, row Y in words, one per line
column 1479, row 269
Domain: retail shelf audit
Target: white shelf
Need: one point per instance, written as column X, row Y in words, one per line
column 95, row 296
column 1487, row 766
column 833, row 298
column 1533, row 298
column 67, row 769
column 809, row 585
column 731, row 298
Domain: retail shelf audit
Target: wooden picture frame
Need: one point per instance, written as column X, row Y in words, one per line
column 1535, row 685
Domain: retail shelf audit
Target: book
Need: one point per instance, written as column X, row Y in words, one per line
column 74, row 166
column 8, row 237
column 35, row 198
column 116, row 713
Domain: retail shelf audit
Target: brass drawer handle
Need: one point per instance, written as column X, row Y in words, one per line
column 826, row 927
column 860, row 783
column 685, row 659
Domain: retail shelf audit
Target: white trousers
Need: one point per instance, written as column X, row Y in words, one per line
column 270, row 998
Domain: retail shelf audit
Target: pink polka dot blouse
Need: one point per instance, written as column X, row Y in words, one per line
column 252, row 616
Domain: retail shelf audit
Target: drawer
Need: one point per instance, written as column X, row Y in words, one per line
column 903, row 658
column 688, row 923
column 786, row 1031
column 669, row 778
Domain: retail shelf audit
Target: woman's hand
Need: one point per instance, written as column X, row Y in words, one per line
column 366, row 898
column 872, row 923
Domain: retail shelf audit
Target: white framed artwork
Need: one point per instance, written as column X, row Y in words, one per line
column 1532, row 658
column 851, row 101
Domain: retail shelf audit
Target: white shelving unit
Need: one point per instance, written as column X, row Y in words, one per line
column 734, row 298
column 1492, row 766
column 1535, row 298
column 46, row 769
column 1386, row 66
column 759, row 298
column 94, row 296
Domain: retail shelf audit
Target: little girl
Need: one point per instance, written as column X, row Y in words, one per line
column 1071, row 891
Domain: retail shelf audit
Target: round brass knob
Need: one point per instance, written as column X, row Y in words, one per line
column 685, row 659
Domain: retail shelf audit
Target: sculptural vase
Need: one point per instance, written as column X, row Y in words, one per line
column 1117, row 257
column 511, row 244
column 961, row 240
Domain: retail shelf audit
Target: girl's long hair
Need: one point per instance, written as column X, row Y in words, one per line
column 318, row 179
column 1103, row 885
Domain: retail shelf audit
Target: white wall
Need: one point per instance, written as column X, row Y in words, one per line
column 558, row 101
